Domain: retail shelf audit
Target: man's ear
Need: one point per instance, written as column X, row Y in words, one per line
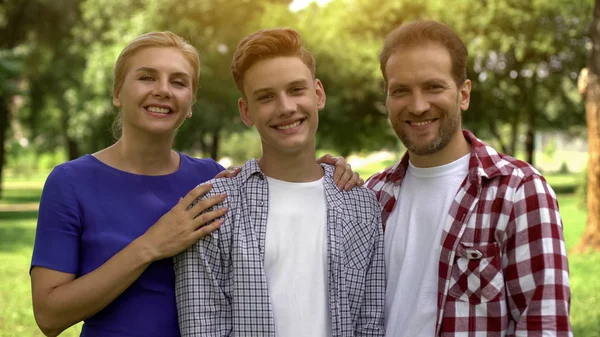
column 320, row 91
column 244, row 112
column 465, row 95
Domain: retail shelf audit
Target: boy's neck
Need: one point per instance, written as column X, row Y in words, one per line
column 295, row 168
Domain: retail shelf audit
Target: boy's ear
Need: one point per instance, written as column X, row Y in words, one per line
column 320, row 91
column 244, row 112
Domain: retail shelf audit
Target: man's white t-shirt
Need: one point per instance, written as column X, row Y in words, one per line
column 412, row 247
column 296, row 258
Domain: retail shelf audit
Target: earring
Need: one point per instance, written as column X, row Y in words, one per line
column 189, row 114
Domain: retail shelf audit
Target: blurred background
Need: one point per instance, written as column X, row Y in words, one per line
column 525, row 60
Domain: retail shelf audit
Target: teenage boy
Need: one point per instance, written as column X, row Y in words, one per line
column 294, row 255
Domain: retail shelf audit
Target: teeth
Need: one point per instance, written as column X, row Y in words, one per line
column 422, row 123
column 289, row 126
column 158, row 110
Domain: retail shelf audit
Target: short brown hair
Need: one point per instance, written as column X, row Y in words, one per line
column 422, row 31
column 265, row 44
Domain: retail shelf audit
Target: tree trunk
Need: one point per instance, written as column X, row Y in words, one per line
column 214, row 146
column 4, row 124
column 591, row 234
column 589, row 85
column 70, row 144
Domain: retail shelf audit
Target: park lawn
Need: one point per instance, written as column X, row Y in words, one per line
column 17, row 231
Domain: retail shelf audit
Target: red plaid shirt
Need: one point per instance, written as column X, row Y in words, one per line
column 503, row 266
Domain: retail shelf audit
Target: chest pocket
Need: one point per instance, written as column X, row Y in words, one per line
column 358, row 245
column 476, row 276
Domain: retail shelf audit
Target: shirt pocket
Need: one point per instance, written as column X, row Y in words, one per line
column 476, row 275
column 357, row 247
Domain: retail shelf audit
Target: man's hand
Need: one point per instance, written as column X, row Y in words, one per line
column 343, row 176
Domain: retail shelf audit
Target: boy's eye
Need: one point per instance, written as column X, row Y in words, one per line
column 298, row 89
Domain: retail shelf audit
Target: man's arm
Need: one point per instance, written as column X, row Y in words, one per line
column 536, row 272
column 370, row 321
column 202, row 274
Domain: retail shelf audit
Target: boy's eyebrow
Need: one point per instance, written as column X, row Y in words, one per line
column 291, row 84
column 153, row 70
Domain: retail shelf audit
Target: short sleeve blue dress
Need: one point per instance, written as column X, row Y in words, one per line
column 89, row 211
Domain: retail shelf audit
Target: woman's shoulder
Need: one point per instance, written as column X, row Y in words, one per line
column 70, row 169
column 207, row 166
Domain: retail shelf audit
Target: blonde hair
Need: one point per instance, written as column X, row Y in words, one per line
column 164, row 39
column 265, row 44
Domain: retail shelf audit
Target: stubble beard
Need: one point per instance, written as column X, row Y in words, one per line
column 449, row 125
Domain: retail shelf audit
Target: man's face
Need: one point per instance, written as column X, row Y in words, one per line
column 423, row 101
column 283, row 101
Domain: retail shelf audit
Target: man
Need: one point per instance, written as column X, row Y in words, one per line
column 295, row 256
column 473, row 238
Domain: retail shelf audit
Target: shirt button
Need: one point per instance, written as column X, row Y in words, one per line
column 260, row 203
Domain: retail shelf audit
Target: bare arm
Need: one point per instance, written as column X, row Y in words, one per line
column 61, row 300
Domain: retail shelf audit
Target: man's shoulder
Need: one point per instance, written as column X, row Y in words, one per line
column 513, row 167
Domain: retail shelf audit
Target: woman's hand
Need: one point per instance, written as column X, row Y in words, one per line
column 184, row 224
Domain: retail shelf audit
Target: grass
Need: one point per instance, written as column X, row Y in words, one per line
column 17, row 231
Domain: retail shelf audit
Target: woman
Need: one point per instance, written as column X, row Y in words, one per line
column 110, row 222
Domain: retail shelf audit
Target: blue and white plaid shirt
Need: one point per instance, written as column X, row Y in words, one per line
column 220, row 281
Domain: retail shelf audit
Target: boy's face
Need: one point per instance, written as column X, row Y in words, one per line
column 283, row 102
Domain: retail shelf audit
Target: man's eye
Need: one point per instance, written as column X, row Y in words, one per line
column 399, row 91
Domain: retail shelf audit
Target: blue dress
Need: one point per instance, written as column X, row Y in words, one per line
column 90, row 211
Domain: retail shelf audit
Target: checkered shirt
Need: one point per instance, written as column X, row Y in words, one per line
column 503, row 266
column 221, row 286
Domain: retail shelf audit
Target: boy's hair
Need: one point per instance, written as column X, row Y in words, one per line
column 265, row 44
column 420, row 32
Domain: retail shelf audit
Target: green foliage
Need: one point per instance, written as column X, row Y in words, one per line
column 242, row 146
column 582, row 188
column 28, row 162
column 524, row 57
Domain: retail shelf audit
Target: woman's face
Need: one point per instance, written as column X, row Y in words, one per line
column 156, row 96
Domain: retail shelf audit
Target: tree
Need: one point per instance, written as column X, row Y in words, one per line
column 589, row 86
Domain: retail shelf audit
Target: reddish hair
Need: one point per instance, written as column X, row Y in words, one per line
column 265, row 44
column 420, row 32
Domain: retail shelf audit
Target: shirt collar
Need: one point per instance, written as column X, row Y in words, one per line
column 485, row 162
column 251, row 168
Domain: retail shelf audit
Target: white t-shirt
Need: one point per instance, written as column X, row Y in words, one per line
column 296, row 258
column 412, row 247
